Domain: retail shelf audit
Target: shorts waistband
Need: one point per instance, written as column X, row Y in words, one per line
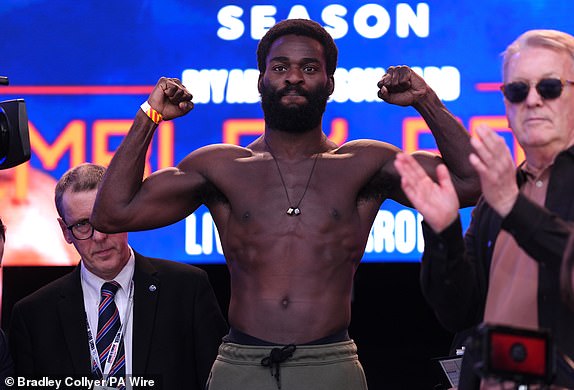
column 238, row 337
column 303, row 354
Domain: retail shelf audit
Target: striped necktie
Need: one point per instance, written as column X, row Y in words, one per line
column 108, row 326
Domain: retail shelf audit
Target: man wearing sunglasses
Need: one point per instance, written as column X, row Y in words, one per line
column 506, row 271
column 165, row 325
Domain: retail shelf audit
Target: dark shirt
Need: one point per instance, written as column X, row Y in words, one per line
column 455, row 272
column 6, row 363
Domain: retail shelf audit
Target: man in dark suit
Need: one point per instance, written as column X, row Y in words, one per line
column 170, row 324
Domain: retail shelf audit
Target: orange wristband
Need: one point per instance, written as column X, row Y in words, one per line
column 151, row 113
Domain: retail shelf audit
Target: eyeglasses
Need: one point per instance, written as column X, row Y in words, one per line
column 81, row 230
column 550, row 88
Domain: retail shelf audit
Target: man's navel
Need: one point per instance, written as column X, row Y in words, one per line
column 285, row 302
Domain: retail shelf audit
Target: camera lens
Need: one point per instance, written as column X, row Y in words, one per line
column 518, row 352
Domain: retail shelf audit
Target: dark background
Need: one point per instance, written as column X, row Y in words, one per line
column 395, row 330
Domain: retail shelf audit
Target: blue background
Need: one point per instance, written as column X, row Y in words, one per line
column 134, row 42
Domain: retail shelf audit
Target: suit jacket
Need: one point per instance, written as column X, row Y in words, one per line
column 177, row 327
column 6, row 362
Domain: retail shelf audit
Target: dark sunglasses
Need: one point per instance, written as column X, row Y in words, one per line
column 550, row 88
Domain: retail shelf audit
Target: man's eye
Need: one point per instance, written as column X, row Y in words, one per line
column 82, row 225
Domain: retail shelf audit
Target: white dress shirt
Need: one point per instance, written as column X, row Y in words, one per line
column 91, row 286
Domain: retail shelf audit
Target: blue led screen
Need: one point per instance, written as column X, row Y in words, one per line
column 85, row 67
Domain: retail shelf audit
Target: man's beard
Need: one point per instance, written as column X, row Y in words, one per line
column 294, row 118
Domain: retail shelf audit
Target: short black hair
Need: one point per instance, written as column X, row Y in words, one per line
column 304, row 27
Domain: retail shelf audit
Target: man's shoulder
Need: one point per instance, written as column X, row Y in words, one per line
column 371, row 159
column 52, row 291
column 164, row 267
column 367, row 148
column 174, row 277
column 220, row 152
column 208, row 157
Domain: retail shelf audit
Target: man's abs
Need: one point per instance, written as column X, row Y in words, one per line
column 289, row 318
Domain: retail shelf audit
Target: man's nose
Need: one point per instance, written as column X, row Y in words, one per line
column 99, row 236
column 294, row 76
column 533, row 98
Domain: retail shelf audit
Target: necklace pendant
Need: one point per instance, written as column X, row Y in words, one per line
column 293, row 211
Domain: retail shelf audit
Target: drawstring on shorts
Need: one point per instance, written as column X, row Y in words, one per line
column 275, row 358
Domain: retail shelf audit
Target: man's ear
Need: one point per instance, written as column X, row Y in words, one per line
column 331, row 85
column 260, row 82
column 67, row 233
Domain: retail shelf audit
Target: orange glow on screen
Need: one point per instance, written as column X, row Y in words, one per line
column 26, row 202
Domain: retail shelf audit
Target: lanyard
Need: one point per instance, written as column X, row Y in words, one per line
column 96, row 366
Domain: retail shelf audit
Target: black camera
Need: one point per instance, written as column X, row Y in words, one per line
column 524, row 356
column 14, row 135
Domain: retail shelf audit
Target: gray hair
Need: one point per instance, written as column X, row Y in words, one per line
column 84, row 177
column 550, row 39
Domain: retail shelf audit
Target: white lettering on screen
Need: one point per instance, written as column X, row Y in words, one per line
column 371, row 21
column 391, row 233
column 356, row 85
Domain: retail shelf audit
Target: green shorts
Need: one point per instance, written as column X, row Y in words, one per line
column 311, row 367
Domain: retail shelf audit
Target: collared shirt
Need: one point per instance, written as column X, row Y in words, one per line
column 455, row 281
column 91, row 287
column 513, row 291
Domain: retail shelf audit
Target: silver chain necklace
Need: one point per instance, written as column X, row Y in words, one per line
column 293, row 210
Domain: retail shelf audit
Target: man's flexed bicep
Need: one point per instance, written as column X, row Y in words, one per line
column 127, row 202
column 165, row 197
column 402, row 86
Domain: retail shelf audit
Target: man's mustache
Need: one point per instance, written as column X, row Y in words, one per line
column 292, row 88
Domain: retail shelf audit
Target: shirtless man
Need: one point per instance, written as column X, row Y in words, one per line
column 293, row 209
